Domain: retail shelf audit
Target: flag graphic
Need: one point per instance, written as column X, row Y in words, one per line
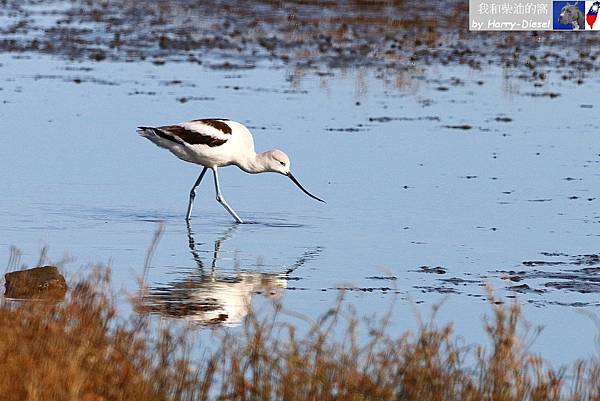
column 592, row 14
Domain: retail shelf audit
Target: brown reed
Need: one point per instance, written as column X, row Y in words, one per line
column 81, row 349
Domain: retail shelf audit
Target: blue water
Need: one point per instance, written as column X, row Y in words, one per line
column 401, row 194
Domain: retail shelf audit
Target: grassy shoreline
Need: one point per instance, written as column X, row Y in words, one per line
column 80, row 349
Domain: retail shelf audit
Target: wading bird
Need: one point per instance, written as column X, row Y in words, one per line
column 214, row 143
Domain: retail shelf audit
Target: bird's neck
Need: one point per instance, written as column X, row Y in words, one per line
column 254, row 163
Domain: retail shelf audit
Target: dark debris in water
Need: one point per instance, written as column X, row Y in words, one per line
column 185, row 99
column 574, row 304
column 461, row 281
column 553, row 254
column 541, row 263
column 525, row 289
column 230, row 66
column 582, row 286
column 349, row 129
column 551, row 95
column 363, row 289
column 576, row 273
column 381, row 278
column 386, row 119
column 437, row 289
column 429, row 269
column 461, row 126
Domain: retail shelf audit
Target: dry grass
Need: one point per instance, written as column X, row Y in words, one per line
column 81, row 350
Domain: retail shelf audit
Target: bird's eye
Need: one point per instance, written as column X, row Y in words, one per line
column 282, row 163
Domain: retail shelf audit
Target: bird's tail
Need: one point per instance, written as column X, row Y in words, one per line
column 155, row 135
column 151, row 133
column 146, row 132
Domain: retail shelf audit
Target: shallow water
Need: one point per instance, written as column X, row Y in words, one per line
column 420, row 208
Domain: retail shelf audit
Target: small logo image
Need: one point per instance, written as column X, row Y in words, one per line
column 591, row 14
column 569, row 15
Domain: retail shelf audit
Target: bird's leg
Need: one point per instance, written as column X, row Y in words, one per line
column 221, row 200
column 193, row 193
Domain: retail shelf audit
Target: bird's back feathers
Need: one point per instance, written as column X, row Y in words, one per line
column 207, row 131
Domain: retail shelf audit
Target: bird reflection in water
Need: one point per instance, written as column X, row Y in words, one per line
column 209, row 297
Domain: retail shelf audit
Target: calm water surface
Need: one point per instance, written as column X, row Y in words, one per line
column 419, row 209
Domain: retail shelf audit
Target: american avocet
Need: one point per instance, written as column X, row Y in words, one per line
column 214, row 143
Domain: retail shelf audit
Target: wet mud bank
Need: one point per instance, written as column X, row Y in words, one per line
column 311, row 35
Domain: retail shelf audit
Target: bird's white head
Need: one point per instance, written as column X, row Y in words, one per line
column 277, row 162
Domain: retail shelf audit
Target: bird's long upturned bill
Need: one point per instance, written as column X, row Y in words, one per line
column 302, row 188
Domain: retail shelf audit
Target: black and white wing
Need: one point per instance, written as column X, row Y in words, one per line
column 207, row 131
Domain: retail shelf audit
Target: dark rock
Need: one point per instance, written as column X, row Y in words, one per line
column 163, row 42
column 39, row 282
column 98, row 55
